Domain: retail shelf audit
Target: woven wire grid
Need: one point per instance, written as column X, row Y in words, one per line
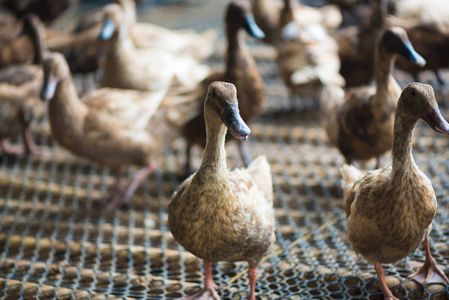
column 57, row 242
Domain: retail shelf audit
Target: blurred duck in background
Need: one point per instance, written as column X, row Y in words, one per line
column 46, row 10
column 390, row 210
column 152, row 69
column 307, row 56
column 20, row 85
column 241, row 70
column 427, row 25
column 84, row 50
column 357, row 44
column 273, row 15
column 113, row 127
column 359, row 121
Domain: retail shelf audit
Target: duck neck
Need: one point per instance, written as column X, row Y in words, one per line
column 402, row 157
column 66, row 112
column 387, row 89
column 287, row 14
column 214, row 155
column 236, row 48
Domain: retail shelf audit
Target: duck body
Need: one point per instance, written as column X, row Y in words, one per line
column 307, row 55
column 389, row 217
column 360, row 120
column 20, row 85
column 241, row 70
column 228, row 227
column 390, row 210
column 356, row 47
column 111, row 126
column 126, row 67
column 222, row 215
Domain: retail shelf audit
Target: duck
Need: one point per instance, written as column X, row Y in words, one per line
column 47, row 10
column 356, row 46
column 17, row 44
column 112, row 127
column 241, row 70
column 126, row 67
column 222, row 215
column 390, row 210
column 431, row 39
column 359, row 121
column 307, row 58
column 273, row 15
column 20, row 86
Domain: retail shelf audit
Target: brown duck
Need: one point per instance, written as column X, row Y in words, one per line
column 356, row 46
column 431, row 39
column 390, row 210
column 241, row 70
column 20, row 86
column 126, row 67
column 18, row 46
column 113, row 127
column 222, row 215
column 307, row 56
column 359, row 121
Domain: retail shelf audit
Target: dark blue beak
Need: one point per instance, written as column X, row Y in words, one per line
column 410, row 54
column 108, row 30
column 232, row 119
column 252, row 28
column 49, row 87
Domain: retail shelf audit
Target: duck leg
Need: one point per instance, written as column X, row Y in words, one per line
column 209, row 290
column 11, row 149
column 429, row 272
column 252, row 275
column 111, row 201
column 137, row 180
column 244, row 153
column 388, row 295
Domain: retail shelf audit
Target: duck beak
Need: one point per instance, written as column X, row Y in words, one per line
column 49, row 87
column 107, row 31
column 436, row 121
column 252, row 28
column 410, row 54
column 232, row 119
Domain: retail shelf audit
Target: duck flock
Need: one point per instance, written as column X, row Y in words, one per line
column 143, row 87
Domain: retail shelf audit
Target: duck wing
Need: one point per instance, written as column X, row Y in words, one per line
column 259, row 170
column 125, row 106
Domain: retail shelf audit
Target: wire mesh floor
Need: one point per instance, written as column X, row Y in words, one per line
column 57, row 242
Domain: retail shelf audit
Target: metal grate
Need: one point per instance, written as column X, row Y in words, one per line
column 55, row 242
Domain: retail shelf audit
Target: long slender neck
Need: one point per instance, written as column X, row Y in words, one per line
column 387, row 89
column 214, row 156
column 236, row 48
column 287, row 14
column 66, row 112
column 404, row 126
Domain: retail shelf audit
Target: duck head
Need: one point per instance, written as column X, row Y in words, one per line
column 222, row 104
column 113, row 18
column 239, row 15
column 55, row 68
column 395, row 40
column 418, row 100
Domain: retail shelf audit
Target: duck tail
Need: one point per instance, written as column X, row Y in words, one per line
column 259, row 170
column 350, row 175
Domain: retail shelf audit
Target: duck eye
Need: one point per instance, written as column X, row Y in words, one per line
column 413, row 94
column 214, row 94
